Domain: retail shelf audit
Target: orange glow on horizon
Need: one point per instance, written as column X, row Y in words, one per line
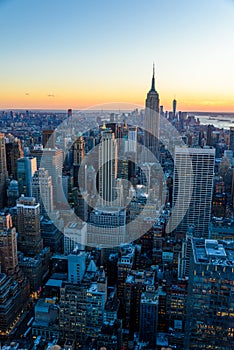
column 77, row 100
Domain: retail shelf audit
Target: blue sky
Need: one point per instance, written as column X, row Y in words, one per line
column 87, row 52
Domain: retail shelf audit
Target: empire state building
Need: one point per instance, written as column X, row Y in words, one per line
column 152, row 119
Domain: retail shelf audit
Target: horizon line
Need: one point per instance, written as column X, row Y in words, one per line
column 106, row 110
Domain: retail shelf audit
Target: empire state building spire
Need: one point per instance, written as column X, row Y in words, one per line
column 152, row 119
column 153, row 80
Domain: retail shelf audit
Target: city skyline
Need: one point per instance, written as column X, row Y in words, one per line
column 80, row 54
column 110, row 239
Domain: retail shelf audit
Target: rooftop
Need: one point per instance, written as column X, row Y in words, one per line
column 214, row 252
column 54, row 283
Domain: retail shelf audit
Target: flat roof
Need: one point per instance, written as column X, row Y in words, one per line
column 54, row 283
column 213, row 252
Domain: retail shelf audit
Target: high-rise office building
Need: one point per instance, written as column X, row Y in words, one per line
column 14, row 151
column 37, row 152
column 231, row 144
column 12, row 193
column 26, row 168
column 149, row 316
column 152, row 120
column 232, row 190
column 80, row 203
column 174, row 103
column 95, row 303
column 28, row 215
column 124, row 266
column 78, row 150
column 193, row 189
column 42, row 183
column 184, row 257
column 210, row 303
column 107, row 167
column 74, row 237
column 48, row 138
column 52, row 160
column 8, row 245
column 136, row 283
column 72, row 307
column 132, row 139
column 209, row 133
column 76, row 266
column 78, row 156
column 3, row 170
column 11, row 303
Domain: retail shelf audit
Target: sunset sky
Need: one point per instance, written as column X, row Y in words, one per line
column 59, row 54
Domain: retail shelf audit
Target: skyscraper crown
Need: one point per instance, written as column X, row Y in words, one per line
column 153, row 80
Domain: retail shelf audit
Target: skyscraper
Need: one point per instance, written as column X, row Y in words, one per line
column 231, row 145
column 209, row 132
column 14, row 151
column 149, row 316
column 8, row 245
column 3, row 171
column 11, row 303
column 184, row 257
column 152, row 119
column 174, row 103
column 48, row 138
column 28, row 215
column 26, row 168
column 193, row 189
column 95, row 303
column 78, row 156
column 52, row 160
column 74, row 236
column 42, row 182
column 107, row 167
column 78, row 150
column 132, row 139
column 12, row 193
column 76, row 266
column 209, row 315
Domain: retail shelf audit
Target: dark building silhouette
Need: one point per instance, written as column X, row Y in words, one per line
column 152, row 119
column 3, row 171
column 14, row 151
column 48, row 138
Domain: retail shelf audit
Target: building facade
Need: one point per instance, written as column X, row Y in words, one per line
column 29, row 235
column 3, row 170
column 108, row 159
column 210, row 301
column 193, row 189
column 42, row 183
column 152, row 120
column 26, row 167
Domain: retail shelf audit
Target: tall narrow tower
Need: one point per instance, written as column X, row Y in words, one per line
column 174, row 103
column 8, row 245
column 78, row 150
column 3, row 171
column 152, row 119
column 14, row 151
column 231, row 144
column 78, row 156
